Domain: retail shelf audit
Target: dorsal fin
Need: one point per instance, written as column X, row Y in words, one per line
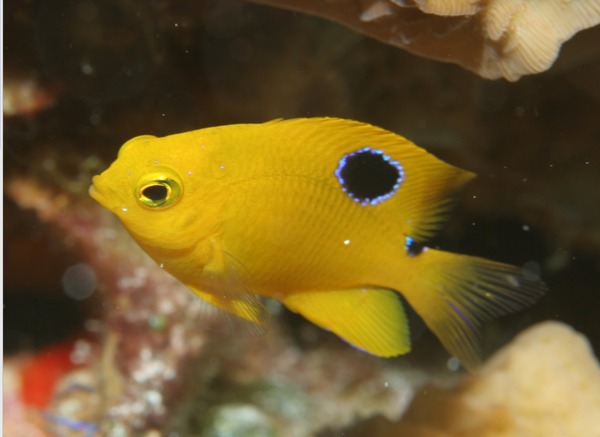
column 426, row 192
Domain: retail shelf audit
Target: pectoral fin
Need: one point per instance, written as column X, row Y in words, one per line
column 371, row 319
column 244, row 306
column 224, row 288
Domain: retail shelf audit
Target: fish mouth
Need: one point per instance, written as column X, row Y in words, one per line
column 94, row 193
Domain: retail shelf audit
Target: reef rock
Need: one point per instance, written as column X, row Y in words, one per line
column 493, row 38
column 545, row 383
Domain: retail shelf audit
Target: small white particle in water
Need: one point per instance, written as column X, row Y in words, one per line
column 124, row 209
column 346, row 242
column 87, row 69
column 475, row 197
column 526, row 228
column 524, row 179
column 176, row 24
column 189, row 172
column 386, row 384
column 473, row 224
column 587, row 162
column 222, row 167
column 453, row 364
column 156, row 161
column 162, row 115
column 161, row 265
column 550, row 165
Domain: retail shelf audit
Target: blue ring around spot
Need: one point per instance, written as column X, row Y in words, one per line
column 377, row 199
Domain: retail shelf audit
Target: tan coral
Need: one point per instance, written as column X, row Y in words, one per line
column 525, row 37
column 448, row 8
column 547, row 380
column 546, row 383
column 493, row 38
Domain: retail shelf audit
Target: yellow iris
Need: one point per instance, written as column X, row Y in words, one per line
column 158, row 190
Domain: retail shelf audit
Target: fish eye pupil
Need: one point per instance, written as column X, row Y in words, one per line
column 156, row 192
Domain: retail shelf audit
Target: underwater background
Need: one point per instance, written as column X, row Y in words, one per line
column 99, row 341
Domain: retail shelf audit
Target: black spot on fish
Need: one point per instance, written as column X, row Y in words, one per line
column 369, row 176
column 412, row 247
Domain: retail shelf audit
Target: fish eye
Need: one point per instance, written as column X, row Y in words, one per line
column 158, row 191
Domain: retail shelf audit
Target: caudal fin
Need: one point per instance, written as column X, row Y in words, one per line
column 455, row 293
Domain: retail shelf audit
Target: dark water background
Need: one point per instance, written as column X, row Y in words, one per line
column 117, row 69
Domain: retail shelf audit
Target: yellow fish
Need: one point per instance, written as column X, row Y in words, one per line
column 328, row 216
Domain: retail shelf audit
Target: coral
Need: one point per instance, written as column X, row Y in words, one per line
column 546, row 383
column 495, row 39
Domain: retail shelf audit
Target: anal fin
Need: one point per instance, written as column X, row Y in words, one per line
column 223, row 287
column 371, row 319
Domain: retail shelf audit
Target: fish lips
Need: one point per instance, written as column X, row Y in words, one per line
column 96, row 194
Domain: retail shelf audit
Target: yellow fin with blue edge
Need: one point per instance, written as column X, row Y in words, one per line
column 371, row 319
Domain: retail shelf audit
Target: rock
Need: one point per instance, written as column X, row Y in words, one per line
column 545, row 383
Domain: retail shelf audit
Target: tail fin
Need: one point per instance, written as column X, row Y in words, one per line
column 455, row 293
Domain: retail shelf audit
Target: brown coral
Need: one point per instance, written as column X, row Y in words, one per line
column 495, row 39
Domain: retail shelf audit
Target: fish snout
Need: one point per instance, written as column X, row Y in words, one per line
column 95, row 191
